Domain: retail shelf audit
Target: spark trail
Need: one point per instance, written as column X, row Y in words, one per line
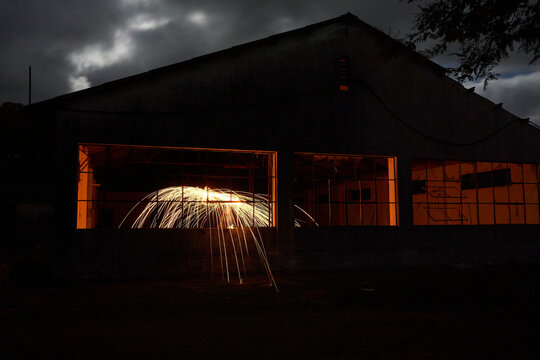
column 235, row 213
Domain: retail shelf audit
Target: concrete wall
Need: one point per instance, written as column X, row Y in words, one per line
column 164, row 253
column 419, row 246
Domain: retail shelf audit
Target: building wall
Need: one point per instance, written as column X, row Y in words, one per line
column 126, row 254
column 282, row 94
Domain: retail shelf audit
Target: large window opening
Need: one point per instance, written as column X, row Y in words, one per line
column 474, row 192
column 346, row 190
column 150, row 187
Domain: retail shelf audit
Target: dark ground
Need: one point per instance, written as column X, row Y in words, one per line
column 487, row 313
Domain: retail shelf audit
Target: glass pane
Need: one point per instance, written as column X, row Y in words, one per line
column 433, row 212
column 259, row 185
column 435, row 170
column 436, row 191
column 381, row 168
column 419, row 198
column 420, row 216
column 131, row 214
column 338, row 191
column 501, row 194
column 499, row 166
column 338, row 215
column 367, row 191
column 324, row 166
column 452, row 192
column 384, row 217
column 516, row 193
column 469, row 213
column 532, row 214
column 451, row 170
column 529, row 173
column 485, row 195
column 531, row 193
column 469, row 196
column 345, row 167
column 353, row 191
column 369, row 214
column 454, row 215
column 364, row 167
column 354, row 215
column 516, row 173
column 322, row 191
column 502, row 214
column 517, row 214
column 217, row 165
column 385, row 191
column 263, row 165
column 486, row 214
column 322, row 214
column 483, row 167
column 418, row 171
column 444, row 214
column 468, row 168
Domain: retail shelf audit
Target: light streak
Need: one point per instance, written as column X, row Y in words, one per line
column 236, row 213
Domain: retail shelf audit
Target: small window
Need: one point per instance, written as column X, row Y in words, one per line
column 343, row 73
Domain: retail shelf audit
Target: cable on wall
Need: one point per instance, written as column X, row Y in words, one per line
column 432, row 138
column 354, row 79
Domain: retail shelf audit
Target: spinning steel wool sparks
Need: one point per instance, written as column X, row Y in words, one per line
column 236, row 212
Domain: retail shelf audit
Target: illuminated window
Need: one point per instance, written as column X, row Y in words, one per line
column 472, row 193
column 150, row 187
column 346, row 190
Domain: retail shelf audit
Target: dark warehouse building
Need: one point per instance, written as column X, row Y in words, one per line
column 344, row 148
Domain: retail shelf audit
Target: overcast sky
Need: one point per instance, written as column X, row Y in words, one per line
column 79, row 43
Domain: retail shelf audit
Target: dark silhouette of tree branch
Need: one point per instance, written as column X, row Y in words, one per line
column 485, row 31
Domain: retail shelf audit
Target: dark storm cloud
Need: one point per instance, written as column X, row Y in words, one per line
column 77, row 43
column 194, row 29
column 41, row 34
column 520, row 94
column 63, row 40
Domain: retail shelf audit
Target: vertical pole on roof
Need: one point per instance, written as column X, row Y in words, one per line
column 29, row 85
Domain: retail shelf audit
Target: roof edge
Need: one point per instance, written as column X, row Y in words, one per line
column 347, row 19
